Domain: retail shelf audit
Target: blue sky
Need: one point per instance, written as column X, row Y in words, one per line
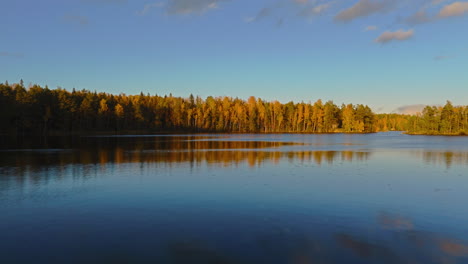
column 384, row 53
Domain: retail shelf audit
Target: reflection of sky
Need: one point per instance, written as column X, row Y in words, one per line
column 372, row 205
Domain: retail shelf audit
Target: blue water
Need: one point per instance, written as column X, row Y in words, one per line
column 243, row 198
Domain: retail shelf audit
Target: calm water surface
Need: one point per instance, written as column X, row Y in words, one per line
column 377, row 198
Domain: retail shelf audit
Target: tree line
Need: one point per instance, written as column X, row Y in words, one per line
column 42, row 110
column 442, row 120
column 433, row 120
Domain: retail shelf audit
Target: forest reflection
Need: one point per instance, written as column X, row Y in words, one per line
column 177, row 213
column 194, row 151
column 88, row 159
column 446, row 158
column 35, row 160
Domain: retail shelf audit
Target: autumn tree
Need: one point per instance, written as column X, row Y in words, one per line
column 39, row 109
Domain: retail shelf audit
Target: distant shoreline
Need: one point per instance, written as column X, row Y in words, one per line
column 42, row 111
column 139, row 133
column 129, row 133
column 461, row 134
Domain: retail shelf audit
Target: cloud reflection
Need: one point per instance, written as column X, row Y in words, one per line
column 394, row 222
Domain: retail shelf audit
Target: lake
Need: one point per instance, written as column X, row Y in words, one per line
column 241, row 198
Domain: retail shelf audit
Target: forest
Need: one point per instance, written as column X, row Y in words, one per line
column 40, row 110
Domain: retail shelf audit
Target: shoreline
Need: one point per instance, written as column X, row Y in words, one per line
column 129, row 133
column 140, row 133
column 460, row 134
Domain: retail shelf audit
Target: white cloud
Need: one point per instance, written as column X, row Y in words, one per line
column 316, row 10
column 454, row 9
column 449, row 10
column 365, row 8
column 399, row 35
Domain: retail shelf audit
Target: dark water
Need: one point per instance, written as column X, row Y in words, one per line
column 378, row 198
